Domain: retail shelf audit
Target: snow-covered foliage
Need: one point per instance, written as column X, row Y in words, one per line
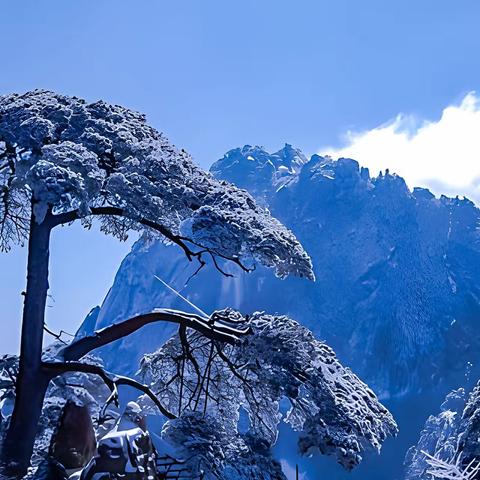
column 335, row 413
column 449, row 443
column 438, row 437
column 209, row 451
column 200, row 440
column 83, row 159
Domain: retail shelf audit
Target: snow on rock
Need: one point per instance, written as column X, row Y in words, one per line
column 78, row 389
column 257, row 171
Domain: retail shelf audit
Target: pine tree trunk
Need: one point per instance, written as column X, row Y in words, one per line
column 32, row 382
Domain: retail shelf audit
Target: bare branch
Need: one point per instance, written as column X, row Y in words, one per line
column 58, row 336
column 182, row 333
column 451, row 469
column 112, row 381
column 217, row 266
column 204, row 377
column 179, row 240
column 209, row 327
column 69, row 217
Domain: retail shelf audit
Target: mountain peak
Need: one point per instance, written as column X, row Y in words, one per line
column 290, row 157
column 255, row 168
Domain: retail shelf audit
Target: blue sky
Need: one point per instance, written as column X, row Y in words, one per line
column 214, row 75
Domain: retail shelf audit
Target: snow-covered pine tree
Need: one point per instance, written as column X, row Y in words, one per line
column 63, row 159
column 207, row 384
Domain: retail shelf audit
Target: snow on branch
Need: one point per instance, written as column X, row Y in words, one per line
column 84, row 160
column 448, row 443
column 280, row 360
column 215, row 327
column 451, row 470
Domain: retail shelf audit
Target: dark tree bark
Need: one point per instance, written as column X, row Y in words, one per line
column 34, row 376
column 32, row 381
column 73, row 443
column 211, row 328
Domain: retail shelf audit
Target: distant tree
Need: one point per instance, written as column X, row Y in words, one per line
column 207, row 384
column 62, row 160
column 448, row 446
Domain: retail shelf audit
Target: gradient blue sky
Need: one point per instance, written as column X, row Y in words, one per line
column 218, row 74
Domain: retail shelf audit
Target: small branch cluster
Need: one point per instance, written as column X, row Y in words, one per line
column 66, row 359
column 8, row 374
column 452, row 469
column 112, row 381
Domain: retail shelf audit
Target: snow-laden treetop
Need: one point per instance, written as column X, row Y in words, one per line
column 76, row 159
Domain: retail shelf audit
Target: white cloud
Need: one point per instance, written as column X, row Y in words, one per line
column 443, row 155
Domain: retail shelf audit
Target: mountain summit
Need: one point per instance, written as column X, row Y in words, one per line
column 397, row 276
column 258, row 171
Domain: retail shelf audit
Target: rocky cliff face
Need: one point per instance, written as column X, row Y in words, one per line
column 398, row 277
column 396, row 294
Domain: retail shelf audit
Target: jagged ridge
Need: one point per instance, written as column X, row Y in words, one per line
column 397, row 271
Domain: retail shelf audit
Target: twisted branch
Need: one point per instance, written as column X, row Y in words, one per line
column 210, row 327
column 181, row 241
column 111, row 380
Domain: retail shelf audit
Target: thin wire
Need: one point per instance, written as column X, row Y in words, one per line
column 182, row 297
